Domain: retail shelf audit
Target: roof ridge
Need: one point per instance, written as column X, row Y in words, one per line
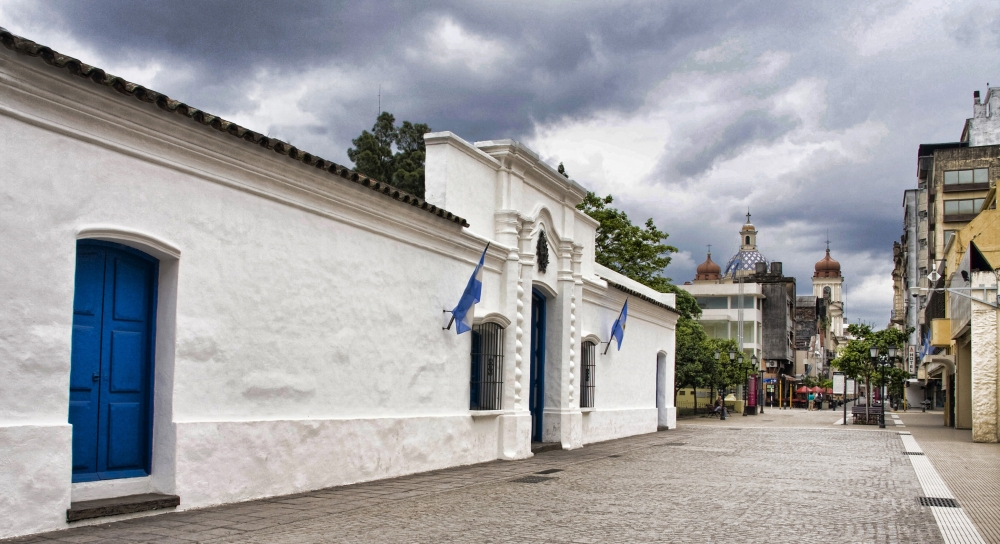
column 76, row 67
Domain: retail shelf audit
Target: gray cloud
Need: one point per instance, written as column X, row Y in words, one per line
column 748, row 128
column 546, row 63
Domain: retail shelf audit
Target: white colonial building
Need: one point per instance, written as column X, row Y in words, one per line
column 203, row 314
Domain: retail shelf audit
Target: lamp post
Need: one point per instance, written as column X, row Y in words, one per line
column 739, row 363
column 883, row 360
column 722, row 403
column 718, row 360
column 755, row 363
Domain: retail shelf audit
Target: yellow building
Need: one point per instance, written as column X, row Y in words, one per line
column 963, row 319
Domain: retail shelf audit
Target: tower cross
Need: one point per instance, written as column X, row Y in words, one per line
column 748, row 215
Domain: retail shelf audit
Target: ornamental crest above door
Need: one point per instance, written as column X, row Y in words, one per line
column 542, row 252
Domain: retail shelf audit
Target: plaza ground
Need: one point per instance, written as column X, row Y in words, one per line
column 786, row 475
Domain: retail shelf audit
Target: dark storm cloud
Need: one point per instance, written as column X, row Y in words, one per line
column 571, row 58
column 752, row 126
column 559, row 61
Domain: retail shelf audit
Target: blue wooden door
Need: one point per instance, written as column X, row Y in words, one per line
column 536, row 376
column 111, row 373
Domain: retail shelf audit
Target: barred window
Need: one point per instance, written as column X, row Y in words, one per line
column 487, row 367
column 588, row 355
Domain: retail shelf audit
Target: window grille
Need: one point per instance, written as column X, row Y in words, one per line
column 487, row 367
column 589, row 367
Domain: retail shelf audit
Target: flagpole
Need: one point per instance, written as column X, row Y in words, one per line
column 452, row 320
column 619, row 319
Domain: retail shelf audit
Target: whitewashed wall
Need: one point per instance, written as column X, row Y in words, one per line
column 279, row 288
column 509, row 182
column 299, row 339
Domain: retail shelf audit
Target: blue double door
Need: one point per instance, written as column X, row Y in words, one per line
column 536, row 376
column 111, row 374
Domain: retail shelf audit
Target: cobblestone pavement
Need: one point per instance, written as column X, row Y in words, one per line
column 972, row 471
column 796, row 477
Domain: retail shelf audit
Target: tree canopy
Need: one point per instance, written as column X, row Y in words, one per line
column 855, row 359
column 637, row 252
column 374, row 155
column 641, row 254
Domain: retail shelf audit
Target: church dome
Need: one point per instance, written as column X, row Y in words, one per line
column 827, row 268
column 745, row 261
column 708, row 270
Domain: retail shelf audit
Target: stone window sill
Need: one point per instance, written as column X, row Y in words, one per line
column 485, row 413
column 587, row 410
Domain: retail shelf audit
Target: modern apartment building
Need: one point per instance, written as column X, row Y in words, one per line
column 953, row 181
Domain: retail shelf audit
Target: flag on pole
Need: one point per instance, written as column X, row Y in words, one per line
column 925, row 348
column 618, row 329
column 465, row 310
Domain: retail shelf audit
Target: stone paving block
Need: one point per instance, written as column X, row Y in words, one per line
column 744, row 480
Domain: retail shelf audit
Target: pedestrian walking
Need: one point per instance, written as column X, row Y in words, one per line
column 812, row 399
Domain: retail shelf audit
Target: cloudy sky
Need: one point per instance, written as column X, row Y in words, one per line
column 808, row 113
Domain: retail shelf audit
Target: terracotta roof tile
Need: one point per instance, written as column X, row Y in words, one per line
column 640, row 296
column 76, row 67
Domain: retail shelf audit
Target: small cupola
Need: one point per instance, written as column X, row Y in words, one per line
column 708, row 270
column 827, row 267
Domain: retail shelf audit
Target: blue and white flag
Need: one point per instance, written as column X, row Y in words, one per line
column 465, row 310
column 733, row 267
column 925, row 348
column 618, row 329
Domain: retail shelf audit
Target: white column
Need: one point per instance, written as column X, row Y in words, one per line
column 984, row 332
column 515, row 423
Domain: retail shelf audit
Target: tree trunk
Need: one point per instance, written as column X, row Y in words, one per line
column 868, row 393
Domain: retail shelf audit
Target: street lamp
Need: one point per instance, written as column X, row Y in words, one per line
column 883, row 361
column 722, row 403
column 739, row 362
column 760, row 385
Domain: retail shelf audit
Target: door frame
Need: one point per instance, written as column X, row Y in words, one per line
column 537, row 362
column 150, row 351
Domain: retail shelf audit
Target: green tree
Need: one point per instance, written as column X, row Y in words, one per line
column 374, row 156
column 408, row 162
column 691, row 357
column 637, row 252
column 855, row 359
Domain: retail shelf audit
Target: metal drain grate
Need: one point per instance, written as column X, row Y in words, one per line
column 531, row 479
column 913, row 453
column 938, row 501
column 549, row 471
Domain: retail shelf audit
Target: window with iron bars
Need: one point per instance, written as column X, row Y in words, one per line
column 487, row 367
column 588, row 354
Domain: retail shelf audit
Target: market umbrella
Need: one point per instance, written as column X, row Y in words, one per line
column 829, row 391
column 802, row 389
column 817, row 389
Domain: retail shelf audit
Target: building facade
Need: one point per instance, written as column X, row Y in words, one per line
column 198, row 311
column 953, row 182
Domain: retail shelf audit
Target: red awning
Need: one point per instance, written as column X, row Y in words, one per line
column 803, row 389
